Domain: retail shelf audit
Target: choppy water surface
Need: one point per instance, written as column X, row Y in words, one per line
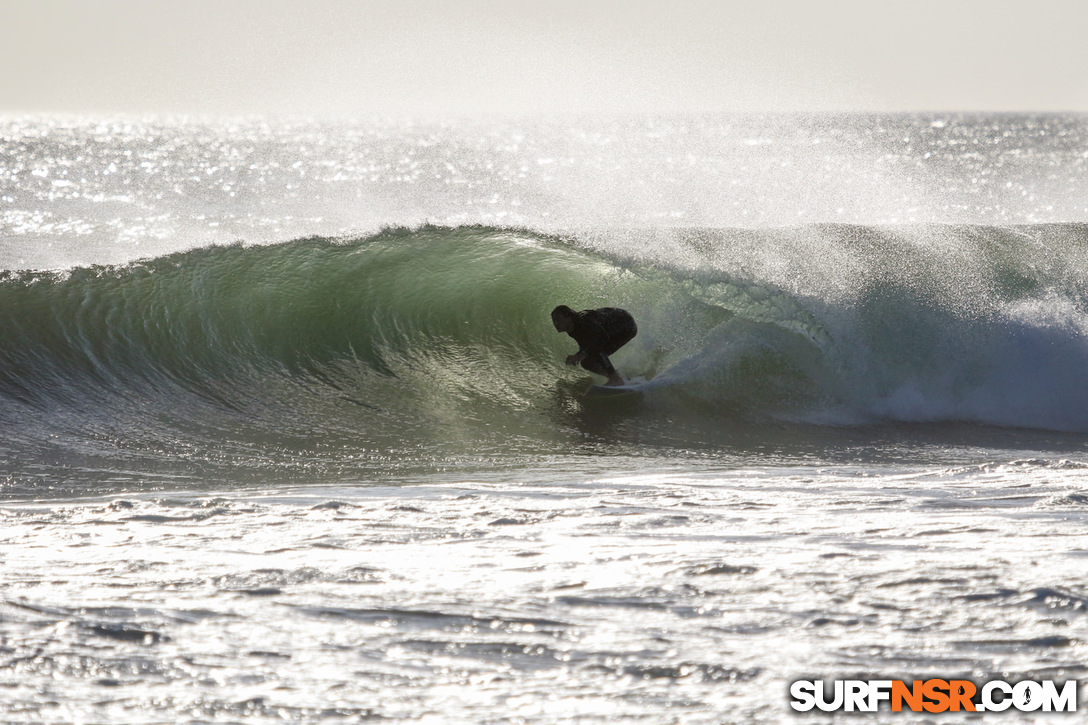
column 671, row 596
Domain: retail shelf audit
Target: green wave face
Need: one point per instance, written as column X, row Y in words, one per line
column 408, row 341
column 436, row 343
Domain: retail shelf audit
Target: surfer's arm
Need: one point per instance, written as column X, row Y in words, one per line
column 589, row 334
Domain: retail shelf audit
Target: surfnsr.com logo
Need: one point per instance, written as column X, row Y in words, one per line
column 933, row 695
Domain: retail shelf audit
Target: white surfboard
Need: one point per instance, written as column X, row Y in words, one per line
column 609, row 391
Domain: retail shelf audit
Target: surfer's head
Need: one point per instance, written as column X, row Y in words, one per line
column 563, row 318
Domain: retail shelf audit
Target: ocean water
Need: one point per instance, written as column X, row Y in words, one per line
column 286, row 434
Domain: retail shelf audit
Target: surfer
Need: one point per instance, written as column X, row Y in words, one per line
column 599, row 333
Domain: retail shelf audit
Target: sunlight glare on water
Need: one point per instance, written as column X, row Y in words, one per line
column 625, row 596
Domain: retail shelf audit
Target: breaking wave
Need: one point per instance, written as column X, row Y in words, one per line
column 413, row 338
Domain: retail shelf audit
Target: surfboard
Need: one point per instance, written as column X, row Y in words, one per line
column 614, row 391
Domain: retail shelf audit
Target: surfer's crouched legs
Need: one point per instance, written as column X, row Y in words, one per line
column 601, row 365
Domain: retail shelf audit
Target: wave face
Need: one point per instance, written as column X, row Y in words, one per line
column 434, row 342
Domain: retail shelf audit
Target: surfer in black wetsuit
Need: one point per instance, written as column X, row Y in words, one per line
column 599, row 333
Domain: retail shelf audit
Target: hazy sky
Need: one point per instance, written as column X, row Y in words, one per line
column 420, row 57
